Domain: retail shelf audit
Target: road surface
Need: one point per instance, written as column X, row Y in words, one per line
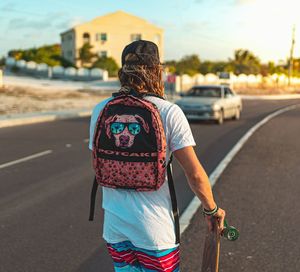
column 260, row 190
column 44, row 200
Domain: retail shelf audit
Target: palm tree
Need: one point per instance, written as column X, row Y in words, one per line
column 245, row 62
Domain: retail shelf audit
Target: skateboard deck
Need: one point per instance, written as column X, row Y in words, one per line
column 211, row 250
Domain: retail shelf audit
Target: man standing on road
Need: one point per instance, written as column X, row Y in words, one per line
column 139, row 225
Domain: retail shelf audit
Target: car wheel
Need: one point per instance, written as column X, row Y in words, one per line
column 220, row 120
column 237, row 115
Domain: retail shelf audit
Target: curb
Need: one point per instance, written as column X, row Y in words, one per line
column 33, row 118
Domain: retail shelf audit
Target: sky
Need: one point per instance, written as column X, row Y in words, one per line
column 212, row 29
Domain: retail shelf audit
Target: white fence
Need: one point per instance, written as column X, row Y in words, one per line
column 185, row 82
column 172, row 83
column 57, row 72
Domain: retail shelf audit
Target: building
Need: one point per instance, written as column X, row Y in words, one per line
column 108, row 35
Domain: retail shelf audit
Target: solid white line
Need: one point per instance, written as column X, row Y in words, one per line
column 25, row 159
column 194, row 205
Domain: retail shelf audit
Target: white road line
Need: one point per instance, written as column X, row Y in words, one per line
column 25, row 158
column 194, row 205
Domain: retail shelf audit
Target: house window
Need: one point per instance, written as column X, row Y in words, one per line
column 102, row 54
column 136, row 37
column 101, row 37
column 86, row 37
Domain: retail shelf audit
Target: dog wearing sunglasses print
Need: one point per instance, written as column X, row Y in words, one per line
column 124, row 128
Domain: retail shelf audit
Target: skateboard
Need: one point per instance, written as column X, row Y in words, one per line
column 211, row 250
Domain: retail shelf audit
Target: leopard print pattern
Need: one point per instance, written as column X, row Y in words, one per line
column 130, row 175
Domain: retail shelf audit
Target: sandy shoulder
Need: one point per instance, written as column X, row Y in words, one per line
column 19, row 99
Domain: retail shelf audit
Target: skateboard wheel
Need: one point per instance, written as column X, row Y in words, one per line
column 230, row 233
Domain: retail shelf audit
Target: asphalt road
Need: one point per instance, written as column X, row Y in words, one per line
column 44, row 201
column 260, row 190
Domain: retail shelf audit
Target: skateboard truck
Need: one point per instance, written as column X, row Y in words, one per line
column 229, row 232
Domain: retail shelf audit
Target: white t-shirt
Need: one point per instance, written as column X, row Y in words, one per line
column 145, row 218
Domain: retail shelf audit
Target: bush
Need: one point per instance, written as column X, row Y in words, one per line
column 2, row 62
column 107, row 63
column 49, row 54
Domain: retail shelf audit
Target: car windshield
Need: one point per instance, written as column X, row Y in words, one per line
column 205, row 92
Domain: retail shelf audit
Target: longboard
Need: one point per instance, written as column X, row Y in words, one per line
column 211, row 250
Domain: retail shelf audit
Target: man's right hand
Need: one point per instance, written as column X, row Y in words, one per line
column 220, row 217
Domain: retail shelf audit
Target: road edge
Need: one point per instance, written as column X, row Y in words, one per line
column 190, row 211
column 33, row 118
column 38, row 117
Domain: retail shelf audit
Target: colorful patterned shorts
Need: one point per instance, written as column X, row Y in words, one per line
column 127, row 257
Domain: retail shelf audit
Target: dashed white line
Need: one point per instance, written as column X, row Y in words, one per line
column 194, row 205
column 25, row 159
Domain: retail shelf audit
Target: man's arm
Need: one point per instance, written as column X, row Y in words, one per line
column 198, row 180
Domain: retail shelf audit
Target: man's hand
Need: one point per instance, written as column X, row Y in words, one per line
column 220, row 217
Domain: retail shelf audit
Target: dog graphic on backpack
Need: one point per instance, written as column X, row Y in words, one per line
column 125, row 128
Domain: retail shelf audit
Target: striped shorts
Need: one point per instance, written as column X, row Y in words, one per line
column 127, row 257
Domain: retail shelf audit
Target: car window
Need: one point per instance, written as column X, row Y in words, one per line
column 228, row 92
column 205, row 92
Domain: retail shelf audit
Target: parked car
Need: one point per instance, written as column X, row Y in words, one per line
column 213, row 102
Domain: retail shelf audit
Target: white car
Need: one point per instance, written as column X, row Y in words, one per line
column 211, row 102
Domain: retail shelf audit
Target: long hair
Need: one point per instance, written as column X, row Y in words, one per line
column 142, row 78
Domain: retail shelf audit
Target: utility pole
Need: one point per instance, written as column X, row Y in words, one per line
column 290, row 73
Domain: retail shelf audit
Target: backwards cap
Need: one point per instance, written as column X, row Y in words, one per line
column 141, row 53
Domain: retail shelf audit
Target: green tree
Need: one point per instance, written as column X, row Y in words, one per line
column 188, row 65
column 215, row 67
column 2, row 61
column 85, row 54
column 171, row 66
column 222, row 66
column 271, row 67
column 49, row 54
column 296, row 67
column 245, row 62
column 206, row 67
column 107, row 63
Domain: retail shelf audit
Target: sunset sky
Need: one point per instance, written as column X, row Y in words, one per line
column 210, row 28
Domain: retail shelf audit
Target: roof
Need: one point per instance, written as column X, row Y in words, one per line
column 118, row 16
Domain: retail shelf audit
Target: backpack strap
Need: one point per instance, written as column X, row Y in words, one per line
column 173, row 200
column 93, row 199
column 172, row 195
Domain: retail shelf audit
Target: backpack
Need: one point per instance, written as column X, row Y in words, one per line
column 129, row 148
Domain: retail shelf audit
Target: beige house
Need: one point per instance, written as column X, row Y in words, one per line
column 108, row 35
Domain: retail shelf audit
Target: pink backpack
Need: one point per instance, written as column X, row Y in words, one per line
column 129, row 146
